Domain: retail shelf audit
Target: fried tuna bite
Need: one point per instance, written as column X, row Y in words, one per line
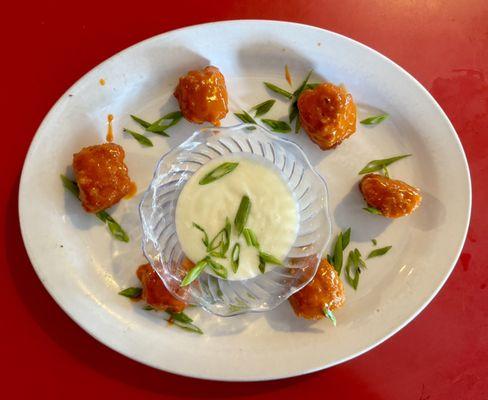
column 327, row 114
column 393, row 198
column 155, row 293
column 324, row 291
column 101, row 175
column 202, row 96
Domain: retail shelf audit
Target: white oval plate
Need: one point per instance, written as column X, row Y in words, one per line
column 83, row 268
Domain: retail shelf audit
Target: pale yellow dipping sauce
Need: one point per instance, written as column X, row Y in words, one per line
column 273, row 216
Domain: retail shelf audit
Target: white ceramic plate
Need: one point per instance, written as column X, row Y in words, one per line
column 83, row 268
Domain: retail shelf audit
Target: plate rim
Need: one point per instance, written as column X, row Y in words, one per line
column 113, row 346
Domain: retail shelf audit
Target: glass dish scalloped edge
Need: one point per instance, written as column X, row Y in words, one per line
column 266, row 291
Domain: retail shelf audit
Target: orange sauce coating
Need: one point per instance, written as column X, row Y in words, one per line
column 392, row 197
column 287, row 75
column 110, row 131
column 102, row 176
column 132, row 191
column 155, row 293
column 102, row 81
column 327, row 114
column 325, row 290
column 202, row 96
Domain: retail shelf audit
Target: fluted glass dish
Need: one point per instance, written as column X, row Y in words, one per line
column 266, row 291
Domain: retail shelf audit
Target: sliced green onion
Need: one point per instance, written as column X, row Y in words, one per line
column 113, row 226
column 250, row 237
column 70, row 185
column 328, row 313
column 217, row 268
column 242, row 214
column 195, row 272
column 144, row 141
column 377, row 165
column 269, row 259
column 245, row 117
column 234, row 257
column 372, row 210
column 375, row 120
column 218, row 172
column 277, row 126
column 338, row 254
column 131, row 292
column 278, row 90
column 264, row 107
column 346, row 238
column 205, row 235
column 379, row 252
column 140, row 121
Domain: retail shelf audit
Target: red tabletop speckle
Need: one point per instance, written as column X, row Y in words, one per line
column 442, row 354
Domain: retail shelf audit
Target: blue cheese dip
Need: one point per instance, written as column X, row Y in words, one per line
column 272, row 218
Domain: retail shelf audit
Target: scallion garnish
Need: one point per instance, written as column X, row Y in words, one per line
column 311, row 85
column 293, row 113
column 140, row 121
column 338, row 254
column 187, row 326
column 179, row 316
column 205, row 235
column 263, row 108
column 374, row 241
column 375, row 120
column 242, row 214
column 377, row 165
column 330, row 259
column 346, row 238
column 131, row 292
column 156, row 126
column 217, row 268
column 250, row 236
column 266, row 258
column 301, row 88
column 195, row 272
column 372, row 210
column 269, row 259
column 298, row 125
column 179, row 319
column 294, row 106
column 144, row 141
column 342, row 241
column 379, row 252
column 328, row 313
column 221, row 240
column 234, row 257
column 113, row 226
column 353, row 268
column 217, row 173
column 226, row 241
column 247, row 119
column 70, row 185
column 277, row 126
column 278, row 90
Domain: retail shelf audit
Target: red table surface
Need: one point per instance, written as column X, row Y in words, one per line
column 442, row 354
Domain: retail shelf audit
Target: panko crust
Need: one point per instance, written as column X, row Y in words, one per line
column 202, row 96
column 325, row 290
column 327, row 114
column 155, row 293
column 101, row 175
column 393, row 198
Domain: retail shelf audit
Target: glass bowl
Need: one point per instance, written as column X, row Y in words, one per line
column 266, row 291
